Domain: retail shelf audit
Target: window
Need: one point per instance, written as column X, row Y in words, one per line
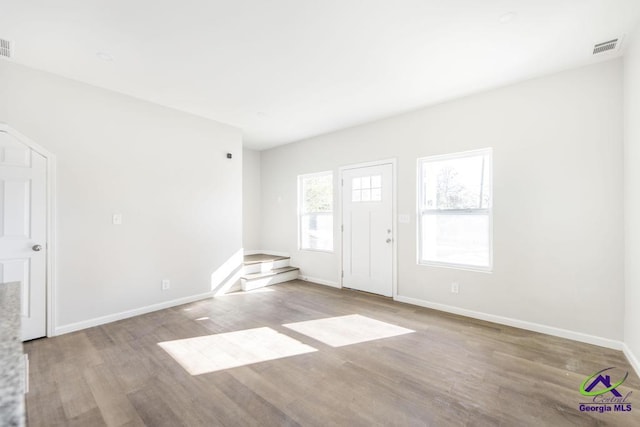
column 315, row 211
column 366, row 189
column 454, row 203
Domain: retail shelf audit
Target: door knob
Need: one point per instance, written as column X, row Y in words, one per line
column 389, row 240
column 37, row 248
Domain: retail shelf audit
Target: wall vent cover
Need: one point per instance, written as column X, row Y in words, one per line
column 606, row 46
column 6, row 50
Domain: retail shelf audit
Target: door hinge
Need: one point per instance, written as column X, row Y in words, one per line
column 342, row 227
column 342, row 182
column 343, row 273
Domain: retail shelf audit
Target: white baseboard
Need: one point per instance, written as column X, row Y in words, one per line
column 530, row 326
column 72, row 327
column 319, row 281
column 266, row 252
column 633, row 360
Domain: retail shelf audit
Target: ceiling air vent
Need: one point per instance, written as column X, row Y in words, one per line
column 605, row 46
column 5, row 48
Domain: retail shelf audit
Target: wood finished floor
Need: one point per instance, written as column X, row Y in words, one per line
column 452, row 371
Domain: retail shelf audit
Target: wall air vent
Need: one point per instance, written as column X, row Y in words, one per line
column 6, row 48
column 606, row 46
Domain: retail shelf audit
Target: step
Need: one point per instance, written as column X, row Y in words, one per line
column 263, row 263
column 256, row 258
column 260, row 280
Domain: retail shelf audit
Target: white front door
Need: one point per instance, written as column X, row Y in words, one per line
column 23, row 246
column 367, row 220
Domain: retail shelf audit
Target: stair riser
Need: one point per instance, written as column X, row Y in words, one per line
column 265, row 266
column 248, row 285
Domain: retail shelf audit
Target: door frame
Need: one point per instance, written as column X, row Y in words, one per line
column 50, row 277
column 394, row 217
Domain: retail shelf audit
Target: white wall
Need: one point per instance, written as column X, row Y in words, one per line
column 251, row 197
column 632, row 194
column 558, row 177
column 166, row 172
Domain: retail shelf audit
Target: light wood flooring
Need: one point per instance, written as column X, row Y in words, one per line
column 451, row 371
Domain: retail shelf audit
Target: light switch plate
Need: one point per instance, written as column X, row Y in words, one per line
column 117, row 219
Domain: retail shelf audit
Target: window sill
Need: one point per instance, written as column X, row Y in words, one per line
column 322, row 251
column 488, row 270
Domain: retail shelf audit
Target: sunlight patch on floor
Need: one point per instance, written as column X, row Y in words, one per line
column 240, row 293
column 210, row 353
column 346, row 330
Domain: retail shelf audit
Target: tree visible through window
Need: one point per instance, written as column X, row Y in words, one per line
column 455, row 210
column 315, row 206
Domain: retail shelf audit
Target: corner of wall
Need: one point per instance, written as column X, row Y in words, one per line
column 251, row 199
column 631, row 92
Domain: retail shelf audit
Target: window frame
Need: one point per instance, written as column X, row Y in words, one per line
column 420, row 210
column 300, row 201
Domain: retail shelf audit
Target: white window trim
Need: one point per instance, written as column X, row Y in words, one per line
column 299, row 210
column 488, row 211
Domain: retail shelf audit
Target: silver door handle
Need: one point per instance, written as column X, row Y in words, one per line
column 37, row 248
column 389, row 240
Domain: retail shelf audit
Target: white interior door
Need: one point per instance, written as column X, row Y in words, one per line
column 23, row 245
column 367, row 220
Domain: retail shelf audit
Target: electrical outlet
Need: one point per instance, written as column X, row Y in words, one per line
column 455, row 287
column 166, row 284
column 117, row 219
